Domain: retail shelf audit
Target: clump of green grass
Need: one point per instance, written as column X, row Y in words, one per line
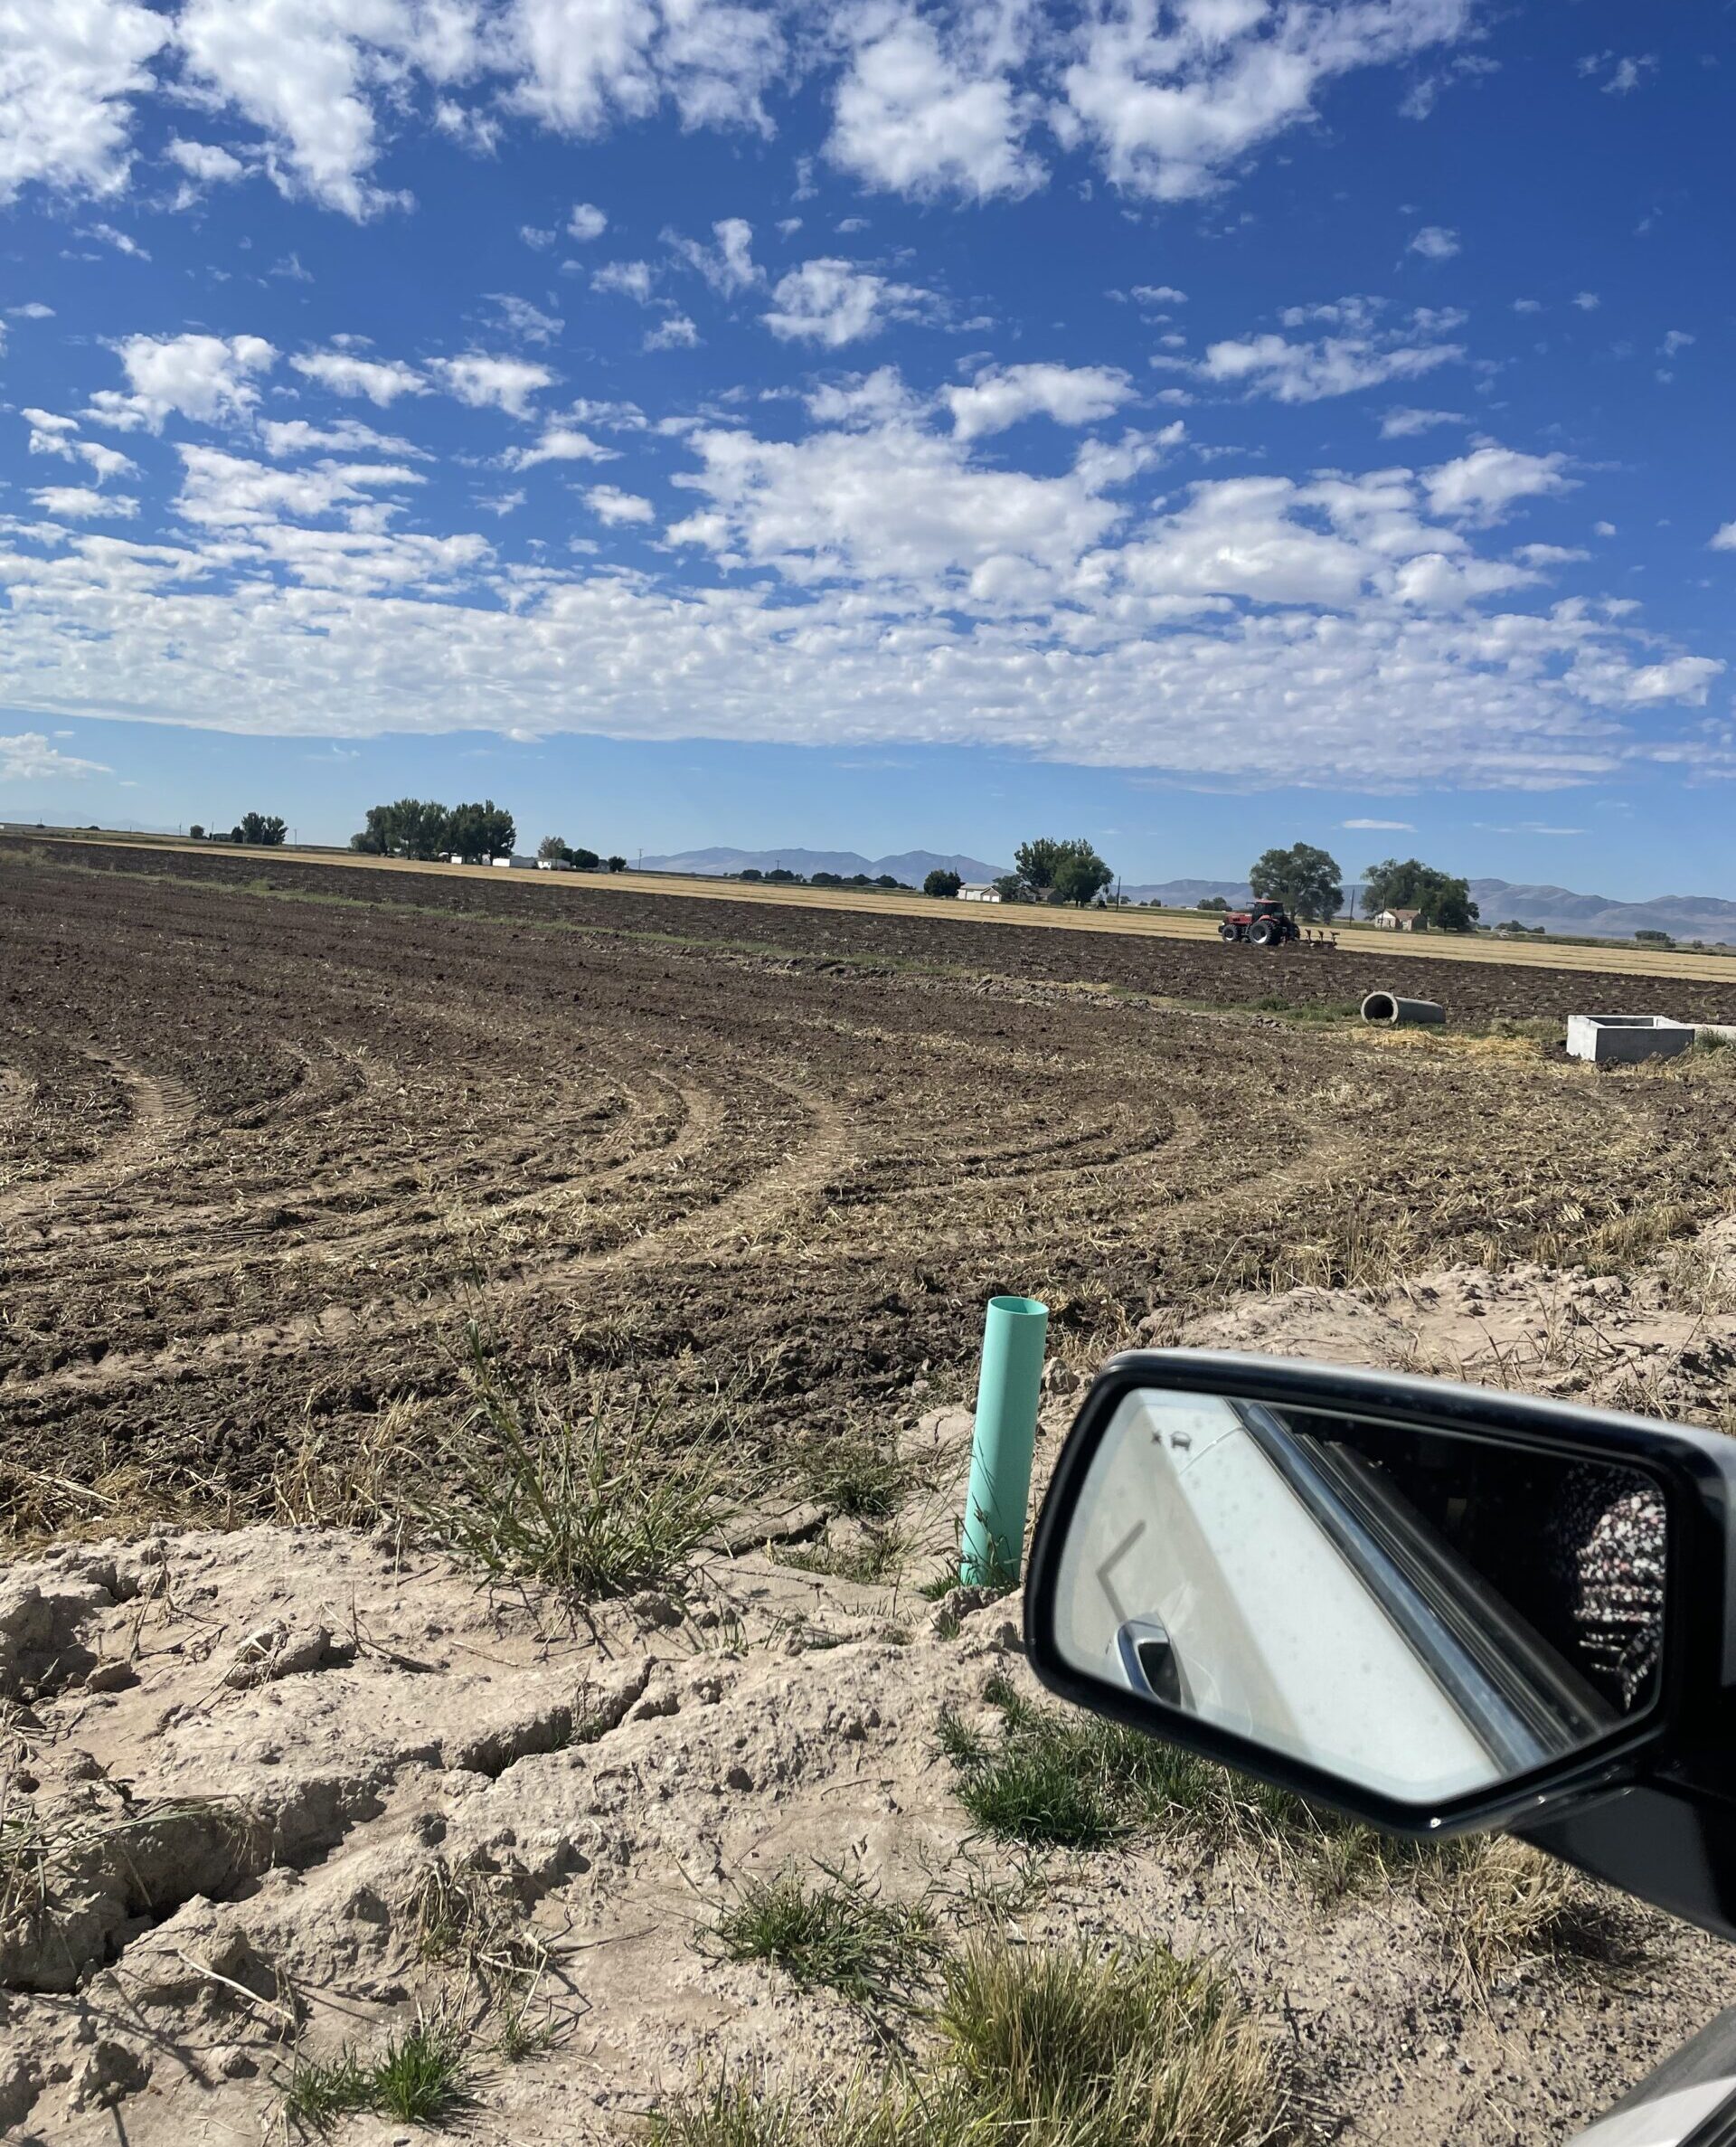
column 1035, row 2049
column 423, row 2076
column 835, row 1933
column 602, row 1499
column 1068, row 1780
column 861, row 1477
column 322, row 2090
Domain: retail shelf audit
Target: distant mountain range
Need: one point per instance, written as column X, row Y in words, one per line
column 912, row 867
column 1557, row 909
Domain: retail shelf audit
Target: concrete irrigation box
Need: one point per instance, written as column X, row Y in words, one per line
column 1623, row 1039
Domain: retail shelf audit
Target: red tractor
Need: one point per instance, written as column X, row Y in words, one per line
column 1266, row 924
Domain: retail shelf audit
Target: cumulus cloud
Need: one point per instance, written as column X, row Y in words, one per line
column 1175, row 97
column 586, row 223
column 610, row 504
column 1403, row 422
column 1435, row 242
column 69, row 72
column 205, row 162
column 1384, row 826
column 630, row 279
column 210, row 378
column 833, row 302
column 915, row 116
column 675, row 332
column 28, row 756
column 728, row 265
column 80, row 503
column 559, row 443
column 381, row 380
column 1341, row 365
column 519, row 318
column 1483, row 485
column 1071, row 395
column 493, row 383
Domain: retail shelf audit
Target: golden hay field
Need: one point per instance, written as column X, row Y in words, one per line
column 1617, row 959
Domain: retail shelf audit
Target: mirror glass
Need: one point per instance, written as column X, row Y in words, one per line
column 1420, row 1614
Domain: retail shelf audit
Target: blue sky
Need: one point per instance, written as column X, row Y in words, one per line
column 1196, row 424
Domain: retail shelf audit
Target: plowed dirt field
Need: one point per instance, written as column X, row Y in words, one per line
column 267, row 1137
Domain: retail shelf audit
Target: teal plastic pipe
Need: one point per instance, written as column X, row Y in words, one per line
column 1005, row 1437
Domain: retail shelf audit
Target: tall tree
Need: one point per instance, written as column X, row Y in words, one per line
column 942, row 883
column 1304, row 879
column 1056, row 871
column 268, row 828
column 1443, row 903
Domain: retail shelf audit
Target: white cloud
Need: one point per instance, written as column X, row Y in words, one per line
column 343, row 435
column 1071, row 395
column 612, row 505
column 1548, row 555
column 1588, row 301
column 1678, row 339
column 122, row 241
column 229, row 492
column 381, row 380
column 1158, row 294
column 205, row 162
column 631, row 280
column 1723, row 541
column 492, row 383
column 307, row 73
column 27, row 756
column 1401, row 423
column 833, row 302
column 210, row 378
column 1483, row 485
column 519, row 318
column 913, row 117
column 676, row 332
column 1383, row 827
column 582, row 65
column 1626, row 72
column 80, row 503
column 1435, row 242
column 586, row 223
column 68, row 71
column 559, row 443
column 728, row 265
column 1175, row 97
column 1270, row 365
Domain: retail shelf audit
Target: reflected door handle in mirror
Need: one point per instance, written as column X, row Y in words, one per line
column 1149, row 1660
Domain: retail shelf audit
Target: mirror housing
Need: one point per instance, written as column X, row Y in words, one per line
column 1648, row 1802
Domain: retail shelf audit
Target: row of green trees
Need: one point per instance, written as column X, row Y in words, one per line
column 265, row 830
column 1309, row 883
column 552, row 850
column 421, row 829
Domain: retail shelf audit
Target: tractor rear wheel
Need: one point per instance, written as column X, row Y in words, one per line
column 1264, row 934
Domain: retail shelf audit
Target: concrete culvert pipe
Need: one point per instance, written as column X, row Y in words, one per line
column 1394, row 1013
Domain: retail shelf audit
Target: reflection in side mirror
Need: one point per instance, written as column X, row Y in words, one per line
column 1412, row 1612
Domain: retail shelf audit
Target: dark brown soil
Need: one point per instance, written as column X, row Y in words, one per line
column 260, row 1158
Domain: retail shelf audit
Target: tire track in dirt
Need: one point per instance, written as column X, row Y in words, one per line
column 730, row 1226
column 159, row 1111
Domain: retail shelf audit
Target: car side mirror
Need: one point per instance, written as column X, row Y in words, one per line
column 1434, row 1607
